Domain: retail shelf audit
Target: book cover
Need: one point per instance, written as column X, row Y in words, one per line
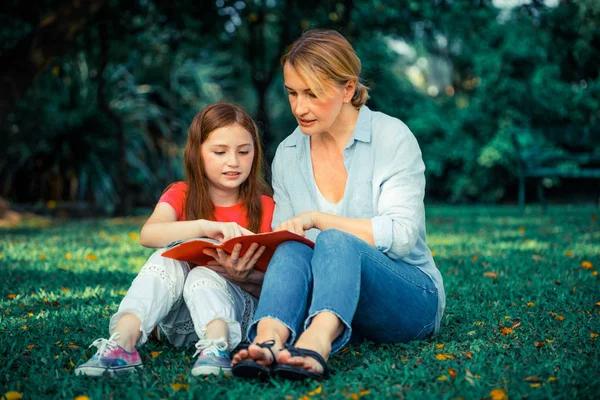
column 190, row 250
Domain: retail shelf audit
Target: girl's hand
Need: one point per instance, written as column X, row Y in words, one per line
column 237, row 268
column 298, row 224
column 223, row 231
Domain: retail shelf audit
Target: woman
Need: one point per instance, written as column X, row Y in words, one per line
column 352, row 180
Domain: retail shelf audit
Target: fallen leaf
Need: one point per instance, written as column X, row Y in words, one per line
column 530, row 304
column 505, row 331
column 31, row 346
column 439, row 345
column 536, row 385
column 539, row 345
column 318, row 390
column 498, row 394
column 442, row 378
column 490, row 274
column 594, row 335
column 560, row 318
column 569, row 253
column 91, row 257
column 533, row 378
column 516, row 324
column 597, row 304
column 595, row 273
column 586, row 265
column 64, row 289
column 557, row 282
column 11, row 296
column 444, row 356
column 178, row 386
column 552, row 379
column 469, row 356
column 81, row 398
column 452, row 372
column 73, row 346
column 12, row 396
column 474, row 258
column 155, row 354
column 68, row 256
column 549, row 340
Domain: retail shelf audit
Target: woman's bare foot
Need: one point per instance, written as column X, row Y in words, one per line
column 311, row 339
column 268, row 330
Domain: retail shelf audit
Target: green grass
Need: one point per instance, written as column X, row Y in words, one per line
column 61, row 281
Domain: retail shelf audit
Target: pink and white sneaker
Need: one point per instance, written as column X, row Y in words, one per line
column 110, row 358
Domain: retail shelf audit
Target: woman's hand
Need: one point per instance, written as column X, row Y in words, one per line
column 223, row 231
column 299, row 224
column 236, row 268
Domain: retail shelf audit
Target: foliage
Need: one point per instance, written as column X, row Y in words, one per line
column 522, row 317
column 109, row 118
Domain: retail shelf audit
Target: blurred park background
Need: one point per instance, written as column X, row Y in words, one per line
column 96, row 96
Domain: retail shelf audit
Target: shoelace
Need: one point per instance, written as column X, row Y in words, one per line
column 210, row 346
column 106, row 345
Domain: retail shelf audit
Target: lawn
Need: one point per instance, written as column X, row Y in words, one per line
column 522, row 316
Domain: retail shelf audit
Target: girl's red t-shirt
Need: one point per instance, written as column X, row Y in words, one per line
column 175, row 196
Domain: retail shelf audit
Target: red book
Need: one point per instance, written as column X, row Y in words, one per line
column 190, row 250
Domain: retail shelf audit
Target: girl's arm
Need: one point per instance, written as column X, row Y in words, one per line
column 163, row 228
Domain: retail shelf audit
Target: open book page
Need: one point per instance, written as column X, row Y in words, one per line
column 191, row 250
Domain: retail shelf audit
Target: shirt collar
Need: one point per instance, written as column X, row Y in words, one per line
column 362, row 130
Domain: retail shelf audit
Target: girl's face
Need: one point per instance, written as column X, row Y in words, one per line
column 314, row 115
column 227, row 155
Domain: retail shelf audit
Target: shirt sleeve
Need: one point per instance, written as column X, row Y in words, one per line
column 267, row 217
column 400, row 209
column 283, row 205
column 175, row 197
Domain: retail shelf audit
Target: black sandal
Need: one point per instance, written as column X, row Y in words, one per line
column 252, row 369
column 294, row 373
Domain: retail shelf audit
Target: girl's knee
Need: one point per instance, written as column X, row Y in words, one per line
column 202, row 277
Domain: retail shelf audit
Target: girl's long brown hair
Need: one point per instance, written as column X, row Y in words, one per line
column 198, row 204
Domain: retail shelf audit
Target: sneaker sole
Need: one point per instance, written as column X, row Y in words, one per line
column 93, row 371
column 207, row 370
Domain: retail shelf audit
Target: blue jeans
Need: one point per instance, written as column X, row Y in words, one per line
column 375, row 297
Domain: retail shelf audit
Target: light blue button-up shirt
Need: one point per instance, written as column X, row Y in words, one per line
column 386, row 183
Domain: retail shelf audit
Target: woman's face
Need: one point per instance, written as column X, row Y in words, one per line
column 314, row 115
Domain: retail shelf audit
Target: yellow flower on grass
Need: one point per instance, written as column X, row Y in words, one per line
column 586, row 265
column 134, row 236
column 68, row 256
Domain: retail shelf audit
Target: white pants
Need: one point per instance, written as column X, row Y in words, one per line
column 183, row 301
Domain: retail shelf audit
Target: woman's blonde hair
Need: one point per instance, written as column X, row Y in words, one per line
column 325, row 58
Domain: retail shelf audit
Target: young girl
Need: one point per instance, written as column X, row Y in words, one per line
column 223, row 197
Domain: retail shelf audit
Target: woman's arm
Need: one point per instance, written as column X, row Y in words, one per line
column 163, row 228
column 361, row 228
